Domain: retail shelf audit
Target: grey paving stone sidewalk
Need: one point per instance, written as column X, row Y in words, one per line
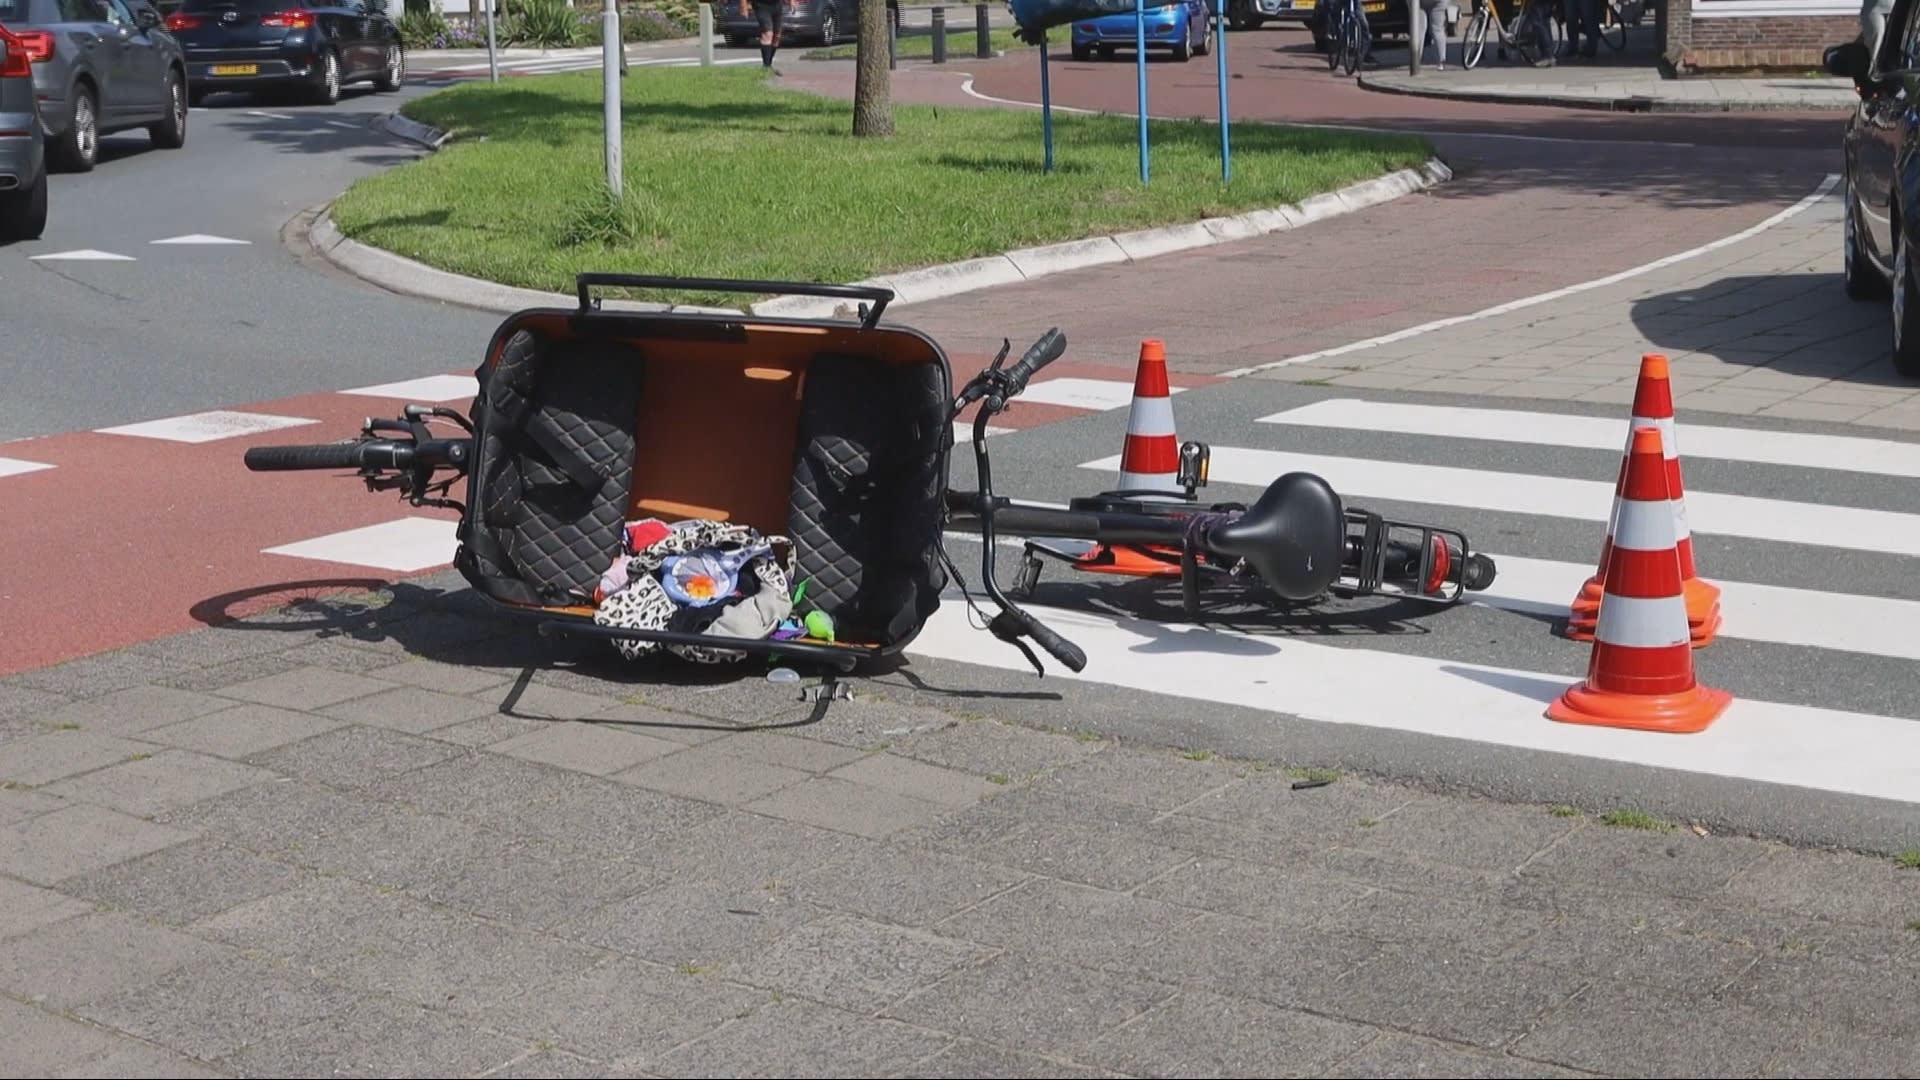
column 301, row 847
column 1571, row 83
column 1759, row 327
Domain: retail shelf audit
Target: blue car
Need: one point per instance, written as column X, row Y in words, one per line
column 1184, row 27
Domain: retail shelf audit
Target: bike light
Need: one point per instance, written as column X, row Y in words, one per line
column 294, row 19
column 1442, row 562
column 180, row 20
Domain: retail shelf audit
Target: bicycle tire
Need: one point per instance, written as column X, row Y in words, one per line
column 1473, row 44
column 324, row 456
column 1350, row 54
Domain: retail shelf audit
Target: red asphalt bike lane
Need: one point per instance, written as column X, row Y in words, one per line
column 1557, row 197
column 127, row 538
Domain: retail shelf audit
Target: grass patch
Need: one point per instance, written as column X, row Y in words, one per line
column 727, row 177
column 1909, row 858
column 915, row 43
column 1634, row 819
column 1565, row 811
column 1327, row 775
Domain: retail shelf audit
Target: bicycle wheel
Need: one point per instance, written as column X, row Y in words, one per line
column 1350, row 51
column 1336, row 39
column 1473, row 43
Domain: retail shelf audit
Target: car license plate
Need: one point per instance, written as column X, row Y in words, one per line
column 234, row 69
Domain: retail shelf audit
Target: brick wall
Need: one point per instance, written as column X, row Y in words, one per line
column 1702, row 46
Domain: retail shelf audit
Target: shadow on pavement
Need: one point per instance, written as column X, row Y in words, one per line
column 299, row 128
column 1800, row 324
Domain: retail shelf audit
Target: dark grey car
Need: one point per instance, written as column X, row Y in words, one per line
column 107, row 66
column 23, row 165
column 828, row 22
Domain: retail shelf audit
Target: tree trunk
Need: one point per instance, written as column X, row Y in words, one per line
column 872, row 87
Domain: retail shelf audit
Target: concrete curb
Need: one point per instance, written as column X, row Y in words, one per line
column 400, row 274
column 1630, row 103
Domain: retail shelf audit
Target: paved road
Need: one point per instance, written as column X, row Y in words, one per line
column 163, row 330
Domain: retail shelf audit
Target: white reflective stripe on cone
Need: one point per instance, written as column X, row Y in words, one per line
column 1151, row 416
column 1644, row 526
column 1669, row 448
column 1641, row 622
column 1130, row 481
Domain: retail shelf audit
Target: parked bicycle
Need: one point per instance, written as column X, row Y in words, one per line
column 1533, row 33
column 1349, row 35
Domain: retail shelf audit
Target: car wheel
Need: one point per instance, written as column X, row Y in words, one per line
column 77, row 147
column 1863, row 281
column 171, row 133
column 1082, row 53
column 1206, row 36
column 326, row 89
column 1906, row 308
column 395, row 73
column 23, row 214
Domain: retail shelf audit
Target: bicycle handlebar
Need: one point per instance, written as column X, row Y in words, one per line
column 1045, row 351
column 379, row 454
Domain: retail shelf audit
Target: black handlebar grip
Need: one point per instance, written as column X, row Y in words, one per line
column 1043, row 352
column 1063, row 650
column 1479, row 573
column 347, row 455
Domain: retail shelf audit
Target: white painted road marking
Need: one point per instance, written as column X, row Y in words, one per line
column 268, row 115
column 1808, row 618
column 407, row 545
column 1801, row 746
column 432, row 388
column 207, row 426
column 201, row 238
column 85, row 255
column 1850, row 453
column 1749, row 232
column 16, row 467
column 1710, row 512
column 1076, row 393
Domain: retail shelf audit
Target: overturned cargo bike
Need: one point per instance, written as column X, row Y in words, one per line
column 723, row 485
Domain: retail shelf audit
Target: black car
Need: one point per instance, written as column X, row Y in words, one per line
column 1882, row 176
column 283, row 44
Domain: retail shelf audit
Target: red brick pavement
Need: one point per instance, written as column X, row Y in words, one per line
column 1586, row 194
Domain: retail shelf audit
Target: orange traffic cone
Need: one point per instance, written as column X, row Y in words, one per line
column 1150, row 459
column 1653, row 405
column 1641, row 674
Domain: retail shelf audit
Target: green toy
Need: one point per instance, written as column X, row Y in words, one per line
column 819, row 625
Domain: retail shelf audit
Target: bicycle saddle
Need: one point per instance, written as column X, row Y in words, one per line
column 1294, row 536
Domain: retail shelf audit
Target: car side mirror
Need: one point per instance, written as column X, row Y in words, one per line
column 146, row 18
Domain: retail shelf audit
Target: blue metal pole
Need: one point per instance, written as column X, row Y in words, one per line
column 1140, row 66
column 1220, row 61
column 1046, row 105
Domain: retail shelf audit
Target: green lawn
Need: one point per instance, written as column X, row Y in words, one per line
column 916, row 43
column 728, row 177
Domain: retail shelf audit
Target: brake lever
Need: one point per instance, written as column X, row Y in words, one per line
column 1010, row 633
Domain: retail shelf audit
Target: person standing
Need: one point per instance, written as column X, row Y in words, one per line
column 1434, row 14
column 768, row 13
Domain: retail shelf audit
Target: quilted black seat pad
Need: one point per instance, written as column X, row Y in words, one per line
column 555, row 466
column 868, row 491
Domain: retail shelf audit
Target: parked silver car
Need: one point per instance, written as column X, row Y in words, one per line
column 99, row 67
column 23, row 158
